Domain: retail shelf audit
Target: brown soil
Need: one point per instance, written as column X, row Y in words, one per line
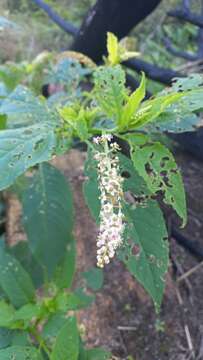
column 123, row 319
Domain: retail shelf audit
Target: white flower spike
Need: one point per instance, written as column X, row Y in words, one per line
column 112, row 225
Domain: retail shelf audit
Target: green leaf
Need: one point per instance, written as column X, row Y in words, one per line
column 145, row 227
column 20, row 353
column 117, row 51
column 193, row 101
column 26, row 313
column 66, row 268
column 133, row 103
column 20, row 338
column 53, row 326
column 67, row 342
column 146, row 250
column 22, row 253
column 15, row 281
column 3, row 119
column 112, row 47
column 97, row 354
column 5, row 337
column 48, row 203
column 81, row 126
column 94, row 278
column 155, row 163
column 23, row 148
column 23, row 108
column 93, row 354
column 73, row 301
column 110, row 90
column 174, row 120
column 84, row 300
column 191, row 82
column 132, row 180
column 6, row 314
column 11, row 74
column 179, row 116
column 69, row 73
column 151, row 109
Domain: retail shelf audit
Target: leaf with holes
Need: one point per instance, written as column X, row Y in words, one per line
column 132, row 180
column 110, row 90
column 193, row 101
column 22, row 108
column 15, row 281
column 181, row 115
column 67, row 72
column 174, row 121
column 48, row 203
column 20, row 353
column 155, row 163
column 23, row 148
column 191, row 82
column 67, row 342
column 146, row 250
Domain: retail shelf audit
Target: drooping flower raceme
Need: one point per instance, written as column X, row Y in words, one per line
column 111, row 216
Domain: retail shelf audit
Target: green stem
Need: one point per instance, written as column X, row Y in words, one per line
column 90, row 144
column 41, row 342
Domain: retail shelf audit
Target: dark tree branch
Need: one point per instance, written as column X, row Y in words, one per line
column 200, row 39
column 186, row 15
column 65, row 25
column 194, row 247
column 154, row 72
column 117, row 16
column 186, row 4
column 182, row 54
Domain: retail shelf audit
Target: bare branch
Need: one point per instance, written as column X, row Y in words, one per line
column 186, row 4
column 182, row 54
column 65, row 25
column 200, row 37
column 154, row 72
column 188, row 16
column 192, row 246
